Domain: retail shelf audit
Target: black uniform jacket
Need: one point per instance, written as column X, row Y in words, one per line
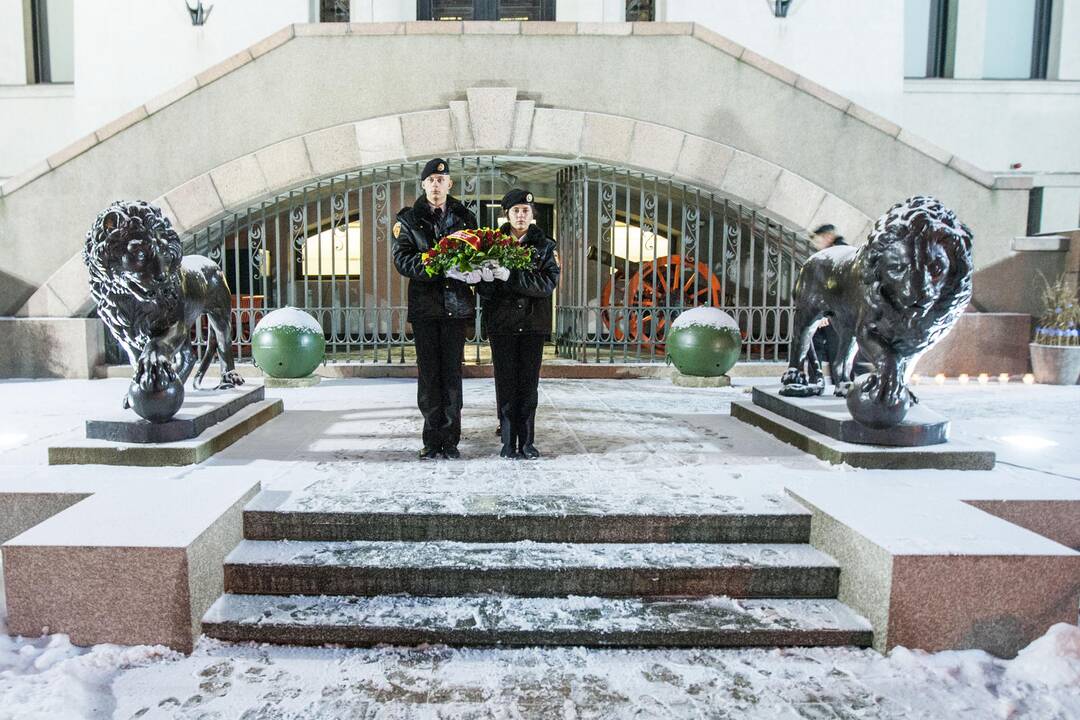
column 416, row 231
column 522, row 304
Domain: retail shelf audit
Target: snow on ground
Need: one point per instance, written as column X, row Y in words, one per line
column 605, row 443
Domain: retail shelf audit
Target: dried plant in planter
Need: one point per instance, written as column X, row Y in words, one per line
column 1060, row 322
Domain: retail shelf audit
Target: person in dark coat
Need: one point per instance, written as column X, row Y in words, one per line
column 517, row 321
column 825, row 339
column 440, row 307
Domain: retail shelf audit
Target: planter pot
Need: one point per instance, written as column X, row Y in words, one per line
column 1055, row 364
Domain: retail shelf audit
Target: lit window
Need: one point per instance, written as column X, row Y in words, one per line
column 333, row 252
column 53, row 32
column 627, row 241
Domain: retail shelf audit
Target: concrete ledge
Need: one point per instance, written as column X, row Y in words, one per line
column 1041, row 243
column 1057, row 519
column 22, row 510
column 940, row 575
column 184, row 452
column 1013, row 182
column 127, row 566
column 51, row 347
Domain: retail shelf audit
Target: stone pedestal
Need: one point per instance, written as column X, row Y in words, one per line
column 207, row 423
column 817, row 426
column 200, row 411
column 829, row 415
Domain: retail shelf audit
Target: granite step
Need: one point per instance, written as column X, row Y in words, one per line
column 530, row 569
column 488, row 518
column 488, row 620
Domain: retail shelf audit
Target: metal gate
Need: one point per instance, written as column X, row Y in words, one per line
column 636, row 250
column 327, row 248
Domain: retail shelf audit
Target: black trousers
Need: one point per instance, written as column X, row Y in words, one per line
column 440, row 346
column 517, row 360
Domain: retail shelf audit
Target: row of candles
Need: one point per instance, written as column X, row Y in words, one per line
column 964, row 379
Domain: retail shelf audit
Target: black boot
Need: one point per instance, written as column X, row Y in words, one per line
column 526, row 439
column 429, row 453
column 509, row 441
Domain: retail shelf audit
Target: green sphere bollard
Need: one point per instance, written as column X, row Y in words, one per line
column 704, row 342
column 288, row 343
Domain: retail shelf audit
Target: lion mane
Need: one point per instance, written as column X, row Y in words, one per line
column 915, row 227
column 134, row 305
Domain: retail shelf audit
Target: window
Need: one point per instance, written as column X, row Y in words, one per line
column 52, row 26
column 929, row 34
column 1017, row 39
column 640, row 10
column 485, row 9
column 333, row 10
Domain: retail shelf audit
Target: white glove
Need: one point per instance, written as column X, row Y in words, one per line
column 455, row 274
column 472, row 277
column 486, row 275
column 501, row 273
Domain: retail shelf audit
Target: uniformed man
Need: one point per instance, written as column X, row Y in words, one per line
column 440, row 307
column 825, row 339
column 517, row 321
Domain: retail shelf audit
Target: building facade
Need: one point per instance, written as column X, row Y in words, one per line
column 701, row 144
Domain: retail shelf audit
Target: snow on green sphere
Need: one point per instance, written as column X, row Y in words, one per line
column 288, row 343
column 703, row 341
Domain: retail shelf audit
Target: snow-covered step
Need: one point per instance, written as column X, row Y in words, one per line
column 501, row 620
column 542, row 518
column 530, row 569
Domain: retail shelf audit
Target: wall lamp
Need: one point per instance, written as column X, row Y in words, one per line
column 198, row 13
column 780, row 7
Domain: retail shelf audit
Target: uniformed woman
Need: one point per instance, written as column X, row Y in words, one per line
column 517, row 321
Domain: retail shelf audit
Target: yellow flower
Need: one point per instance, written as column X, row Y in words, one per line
column 424, row 257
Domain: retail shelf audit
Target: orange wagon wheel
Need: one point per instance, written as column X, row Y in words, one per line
column 669, row 282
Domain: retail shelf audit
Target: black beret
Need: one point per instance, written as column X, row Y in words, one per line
column 435, row 166
column 516, row 197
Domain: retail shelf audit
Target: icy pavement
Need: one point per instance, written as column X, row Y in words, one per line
column 605, row 444
column 274, row 683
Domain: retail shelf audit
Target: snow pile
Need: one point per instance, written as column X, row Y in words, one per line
column 706, row 316
column 289, row 317
column 48, row 677
column 1052, row 660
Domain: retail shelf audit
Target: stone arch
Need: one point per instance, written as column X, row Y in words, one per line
column 729, row 109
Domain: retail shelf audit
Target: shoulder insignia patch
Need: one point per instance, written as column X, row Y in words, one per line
column 397, row 229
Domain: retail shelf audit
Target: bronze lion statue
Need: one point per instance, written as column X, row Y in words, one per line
column 149, row 295
column 892, row 299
